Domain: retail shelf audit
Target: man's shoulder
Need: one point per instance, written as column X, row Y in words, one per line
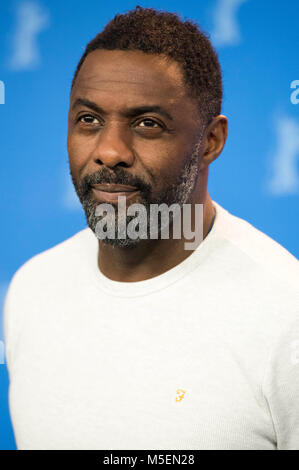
column 266, row 254
column 261, row 275
column 54, row 260
column 43, row 278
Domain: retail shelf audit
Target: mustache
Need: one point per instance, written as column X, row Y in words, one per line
column 118, row 176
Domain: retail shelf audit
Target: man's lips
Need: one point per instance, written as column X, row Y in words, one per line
column 111, row 192
column 114, row 188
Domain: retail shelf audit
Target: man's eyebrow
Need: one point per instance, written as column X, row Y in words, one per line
column 132, row 112
column 148, row 109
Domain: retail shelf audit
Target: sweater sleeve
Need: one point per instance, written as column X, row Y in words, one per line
column 13, row 314
column 281, row 387
column 8, row 324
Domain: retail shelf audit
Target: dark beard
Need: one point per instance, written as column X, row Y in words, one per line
column 176, row 193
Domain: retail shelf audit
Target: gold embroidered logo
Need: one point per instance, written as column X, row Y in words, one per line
column 180, row 397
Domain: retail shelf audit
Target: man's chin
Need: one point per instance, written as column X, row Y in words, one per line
column 121, row 243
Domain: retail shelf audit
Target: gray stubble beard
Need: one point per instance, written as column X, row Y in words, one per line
column 177, row 193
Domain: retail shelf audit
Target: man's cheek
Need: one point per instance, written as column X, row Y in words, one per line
column 77, row 159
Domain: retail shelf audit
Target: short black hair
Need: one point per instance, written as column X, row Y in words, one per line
column 161, row 32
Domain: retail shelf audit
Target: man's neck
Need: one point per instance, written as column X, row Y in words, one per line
column 149, row 258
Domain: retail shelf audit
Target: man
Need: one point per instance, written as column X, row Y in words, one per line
column 139, row 343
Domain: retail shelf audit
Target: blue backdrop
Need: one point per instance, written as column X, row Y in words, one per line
column 256, row 177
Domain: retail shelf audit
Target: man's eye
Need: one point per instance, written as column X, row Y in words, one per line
column 87, row 116
column 150, row 121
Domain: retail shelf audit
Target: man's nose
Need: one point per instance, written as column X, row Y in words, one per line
column 113, row 147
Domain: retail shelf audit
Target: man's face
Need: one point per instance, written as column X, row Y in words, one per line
column 155, row 150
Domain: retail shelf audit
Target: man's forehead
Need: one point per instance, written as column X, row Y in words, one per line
column 141, row 73
column 124, row 91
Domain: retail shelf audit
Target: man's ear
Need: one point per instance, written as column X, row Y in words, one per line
column 215, row 137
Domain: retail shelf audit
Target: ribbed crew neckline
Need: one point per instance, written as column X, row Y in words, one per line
column 154, row 284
